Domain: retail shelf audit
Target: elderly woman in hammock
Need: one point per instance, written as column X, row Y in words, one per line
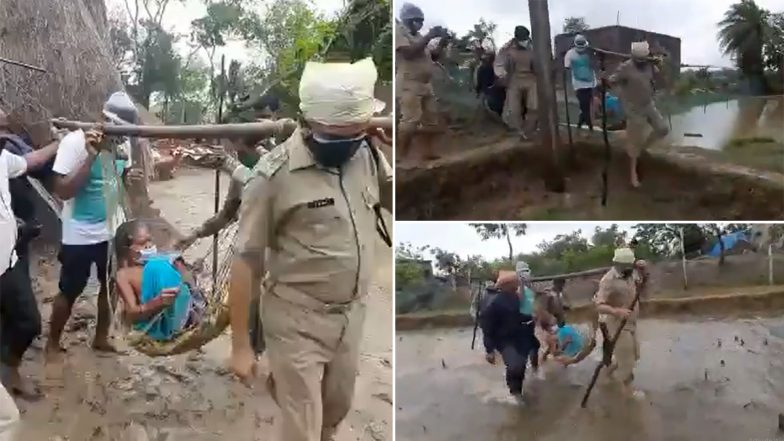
column 158, row 292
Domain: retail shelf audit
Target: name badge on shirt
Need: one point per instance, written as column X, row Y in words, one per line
column 321, row 203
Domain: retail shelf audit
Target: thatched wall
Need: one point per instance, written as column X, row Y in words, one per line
column 70, row 40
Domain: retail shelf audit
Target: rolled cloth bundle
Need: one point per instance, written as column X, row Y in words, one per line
column 339, row 94
column 507, row 281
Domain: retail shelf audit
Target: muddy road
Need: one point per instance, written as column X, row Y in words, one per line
column 697, row 388
column 192, row 396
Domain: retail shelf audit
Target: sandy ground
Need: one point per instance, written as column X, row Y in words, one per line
column 135, row 398
column 705, row 379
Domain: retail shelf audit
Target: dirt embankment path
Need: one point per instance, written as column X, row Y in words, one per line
column 189, row 397
column 480, row 169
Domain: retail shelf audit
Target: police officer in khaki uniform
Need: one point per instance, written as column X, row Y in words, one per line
column 514, row 66
column 248, row 150
column 414, row 72
column 316, row 206
column 613, row 300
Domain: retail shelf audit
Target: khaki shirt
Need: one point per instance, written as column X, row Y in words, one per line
column 635, row 85
column 617, row 292
column 412, row 75
column 515, row 63
column 319, row 224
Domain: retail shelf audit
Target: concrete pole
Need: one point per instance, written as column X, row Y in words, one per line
column 548, row 117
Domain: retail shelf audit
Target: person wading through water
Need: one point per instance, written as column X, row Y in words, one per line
column 508, row 329
column 634, row 80
column 413, row 81
column 514, row 67
column 613, row 299
column 312, row 221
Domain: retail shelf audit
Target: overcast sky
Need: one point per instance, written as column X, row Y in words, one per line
column 179, row 16
column 460, row 238
column 693, row 21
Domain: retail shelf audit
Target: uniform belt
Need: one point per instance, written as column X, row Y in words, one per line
column 298, row 297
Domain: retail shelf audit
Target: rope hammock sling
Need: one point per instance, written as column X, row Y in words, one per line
column 541, row 286
column 212, row 285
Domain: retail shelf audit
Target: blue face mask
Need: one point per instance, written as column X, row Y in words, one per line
column 333, row 153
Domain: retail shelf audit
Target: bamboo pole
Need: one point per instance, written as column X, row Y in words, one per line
column 217, row 181
column 238, row 130
column 770, row 264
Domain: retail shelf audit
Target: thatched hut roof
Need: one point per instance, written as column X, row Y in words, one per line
column 69, row 40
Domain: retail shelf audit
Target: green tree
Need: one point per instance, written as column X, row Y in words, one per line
column 482, row 32
column 774, row 43
column 609, row 237
column 742, row 35
column 575, row 25
column 499, row 231
column 562, row 243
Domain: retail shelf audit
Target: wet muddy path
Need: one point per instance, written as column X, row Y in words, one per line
column 705, row 379
column 192, row 396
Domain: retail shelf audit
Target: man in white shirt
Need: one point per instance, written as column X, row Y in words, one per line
column 88, row 179
column 12, row 166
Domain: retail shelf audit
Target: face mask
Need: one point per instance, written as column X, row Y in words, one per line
column 524, row 43
column 248, row 159
column 333, row 153
column 148, row 253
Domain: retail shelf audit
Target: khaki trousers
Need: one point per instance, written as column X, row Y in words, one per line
column 314, row 359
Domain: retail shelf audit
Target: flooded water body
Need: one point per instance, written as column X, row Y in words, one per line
column 719, row 123
column 704, row 379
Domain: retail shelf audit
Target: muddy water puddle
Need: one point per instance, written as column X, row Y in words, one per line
column 704, row 379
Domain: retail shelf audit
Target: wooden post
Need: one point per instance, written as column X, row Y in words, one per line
column 683, row 260
column 545, row 90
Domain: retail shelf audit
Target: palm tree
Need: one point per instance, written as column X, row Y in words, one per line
column 742, row 35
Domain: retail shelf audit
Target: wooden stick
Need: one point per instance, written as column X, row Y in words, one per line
column 611, row 348
column 239, row 130
column 20, row 64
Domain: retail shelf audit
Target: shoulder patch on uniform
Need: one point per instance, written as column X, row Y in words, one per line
column 270, row 163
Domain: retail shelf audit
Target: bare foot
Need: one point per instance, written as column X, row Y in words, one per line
column 101, row 345
column 54, row 354
column 19, row 386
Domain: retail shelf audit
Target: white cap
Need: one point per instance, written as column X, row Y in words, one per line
column 339, row 93
column 523, row 270
column 624, row 256
column 640, row 49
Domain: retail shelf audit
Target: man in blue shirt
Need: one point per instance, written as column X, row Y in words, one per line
column 580, row 63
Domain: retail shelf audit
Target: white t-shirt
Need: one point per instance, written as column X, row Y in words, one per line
column 71, row 154
column 11, row 166
column 580, row 66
